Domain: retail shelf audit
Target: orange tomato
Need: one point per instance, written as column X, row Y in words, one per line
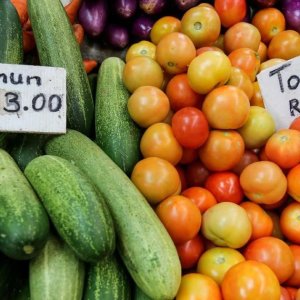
column 290, row 222
column 277, row 204
column 294, row 280
column 162, row 27
column 263, row 182
column 242, row 282
column 285, row 45
column 181, row 218
column 241, row 35
column 285, row 294
column 198, row 286
column 276, row 228
column 257, row 99
column 215, row 262
column 204, row 49
column 222, row 151
column 148, row 105
column 248, row 158
column 292, row 291
column 141, row 71
column 270, row 63
column 226, row 107
column 189, row 156
column 181, row 174
column 262, row 154
column 297, row 295
column 269, row 21
column 262, row 52
column 247, row 60
column 293, row 178
column 295, row 124
column 174, row 53
column 262, row 224
column 143, row 48
column 155, row 178
column 202, row 25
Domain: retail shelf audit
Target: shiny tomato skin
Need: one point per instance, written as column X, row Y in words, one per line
column 189, row 156
column 204, row 49
column 190, row 127
column 270, row 63
column 248, row 158
column 143, row 48
column 235, row 285
column 225, row 186
column 190, row 252
column 196, row 174
column 294, row 280
column 181, row 217
column 293, row 178
column 295, row 124
column 285, row 294
column 257, row 99
column 262, row 52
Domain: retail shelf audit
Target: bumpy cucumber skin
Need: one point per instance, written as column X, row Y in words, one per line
column 74, row 205
column 142, row 241
column 57, row 47
column 139, row 294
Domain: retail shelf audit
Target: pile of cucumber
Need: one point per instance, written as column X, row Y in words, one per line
column 72, row 224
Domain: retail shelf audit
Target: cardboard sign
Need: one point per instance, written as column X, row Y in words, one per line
column 32, row 99
column 280, row 89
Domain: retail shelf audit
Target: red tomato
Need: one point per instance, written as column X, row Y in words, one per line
column 204, row 49
column 292, row 291
column 231, row 11
column 225, row 186
column 285, row 294
column 248, row 158
column 181, row 95
column 293, row 178
column 181, row 217
column 203, row 198
column 196, row 174
column 222, row 151
column 189, row 156
column 295, row 124
column 182, row 177
column 190, row 252
column 190, row 127
column 294, row 280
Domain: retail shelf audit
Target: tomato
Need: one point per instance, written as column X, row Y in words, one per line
column 250, row 280
column 270, row 63
column 263, row 182
column 202, row 25
column 276, row 205
column 240, row 79
column 226, row 107
column 148, row 105
column 284, row 294
column 180, row 216
column 143, row 48
column 203, row 198
column 190, row 127
column 283, row 148
column 257, row 99
column 215, row 262
column 159, row 141
column 196, row 173
column 167, row 78
column 181, row 95
column 225, row 186
column 198, row 286
column 222, row 151
column 260, row 126
column 241, row 35
column 162, row 27
column 227, row 225
column 141, row 71
column 231, row 11
column 295, row 124
column 204, row 49
column 285, row 45
column 190, row 252
column 219, row 43
column 262, row 52
column 248, row 158
column 181, row 174
column 276, row 225
column 155, row 178
column 269, row 21
column 293, row 178
column 294, row 280
column 297, row 295
column 292, row 291
column 174, row 53
column 262, row 154
column 290, row 222
column 247, row 60
column 189, row 156
column 168, row 119
column 209, row 70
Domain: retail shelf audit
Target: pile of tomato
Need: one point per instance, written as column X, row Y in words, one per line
column 223, row 181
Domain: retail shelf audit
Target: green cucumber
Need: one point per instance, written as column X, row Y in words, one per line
column 24, row 293
column 107, row 279
column 56, row 274
column 139, row 294
column 57, row 47
column 24, row 224
column 3, row 140
column 142, row 241
column 74, row 205
column 93, row 78
column 116, row 133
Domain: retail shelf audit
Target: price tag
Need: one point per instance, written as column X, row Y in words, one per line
column 280, row 89
column 32, row 99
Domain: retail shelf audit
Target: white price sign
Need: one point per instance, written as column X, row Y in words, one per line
column 280, row 89
column 32, row 99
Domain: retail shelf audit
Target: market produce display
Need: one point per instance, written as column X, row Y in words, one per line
column 172, row 181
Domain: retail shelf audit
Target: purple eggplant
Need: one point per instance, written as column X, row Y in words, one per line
column 141, row 28
column 186, row 4
column 152, row 7
column 125, row 8
column 291, row 11
column 93, row 16
column 116, row 36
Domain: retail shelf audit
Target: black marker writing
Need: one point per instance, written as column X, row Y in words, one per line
column 277, row 71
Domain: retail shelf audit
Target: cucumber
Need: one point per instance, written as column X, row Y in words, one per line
column 93, row 78
column 75, row 207
column 24, row 293
column 139, row 294
column 142, row 241
column 57, row 47
column 56, row 274
column 3, row 140
column 107, row 279
column 24, row 224
column 116, row 133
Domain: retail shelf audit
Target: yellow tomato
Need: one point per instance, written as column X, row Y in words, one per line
column 143, row 48
column 270, row 63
